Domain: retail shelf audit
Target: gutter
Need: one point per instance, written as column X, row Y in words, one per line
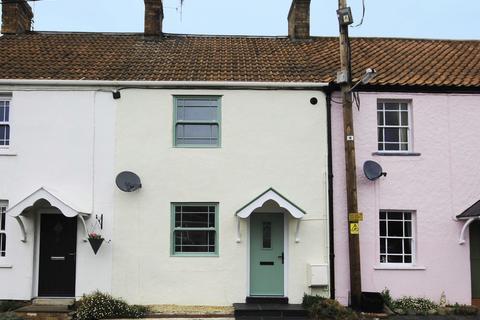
column 328, row 94
column 119, row 85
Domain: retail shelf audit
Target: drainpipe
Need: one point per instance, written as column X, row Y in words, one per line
column 328, row 94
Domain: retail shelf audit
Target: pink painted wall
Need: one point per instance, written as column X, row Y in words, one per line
column 439, row 184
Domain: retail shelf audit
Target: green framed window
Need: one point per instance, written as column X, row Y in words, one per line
column 197, row 121
column 195, row 229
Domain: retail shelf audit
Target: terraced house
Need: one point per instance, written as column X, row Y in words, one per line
column 228, row 159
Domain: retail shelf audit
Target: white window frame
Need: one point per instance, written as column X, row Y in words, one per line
column 3, row 227
column 412, row 238
column 8, row 123
column 384, row 126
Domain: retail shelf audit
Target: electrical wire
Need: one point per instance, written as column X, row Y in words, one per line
column 363, row 15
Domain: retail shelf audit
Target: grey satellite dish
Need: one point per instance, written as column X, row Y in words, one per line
column 373, row 170
column 128, row 181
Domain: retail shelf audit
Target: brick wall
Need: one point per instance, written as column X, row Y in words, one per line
column 16, row 17
column 299, row 20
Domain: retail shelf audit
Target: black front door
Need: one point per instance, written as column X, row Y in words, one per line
column 58, row 242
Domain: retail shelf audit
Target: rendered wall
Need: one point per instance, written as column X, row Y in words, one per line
column 439, row 184
column 52, row 146
column 269, row 139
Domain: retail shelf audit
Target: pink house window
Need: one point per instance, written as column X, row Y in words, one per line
column 393, row 125
column 396, row 237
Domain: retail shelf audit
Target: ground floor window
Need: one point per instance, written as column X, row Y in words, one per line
column 396, row 236
column 195, row 229
column 3, row 234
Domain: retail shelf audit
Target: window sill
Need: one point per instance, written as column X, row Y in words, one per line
column 197, row 255
column 401, row 154
column 400, row 267
column 5, row 266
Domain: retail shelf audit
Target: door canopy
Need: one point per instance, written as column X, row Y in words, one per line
column 41, row 198
column 270, row 195
column 468, row 217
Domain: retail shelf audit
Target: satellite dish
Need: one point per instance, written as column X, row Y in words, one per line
column 128, row 181
column 373, row 170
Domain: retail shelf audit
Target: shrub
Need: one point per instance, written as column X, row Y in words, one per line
column 387, row 298
column 9, row 316
column 10, row 305
column 327, row 309
column 309, row 300
column 103, row 306
column 464, row 310
column 417, row 305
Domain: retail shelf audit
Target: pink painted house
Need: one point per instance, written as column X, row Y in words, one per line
column 420, row 121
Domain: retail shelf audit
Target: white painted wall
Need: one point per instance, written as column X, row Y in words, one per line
column 269, row 139
column 62, row 141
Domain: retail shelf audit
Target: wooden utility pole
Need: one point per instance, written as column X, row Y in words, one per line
column 351, row 175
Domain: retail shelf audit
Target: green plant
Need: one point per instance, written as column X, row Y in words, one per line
column 417, row 305
column 464, row 310
column 10, row 305
column 100, row 305
column 9, row 316
column 309, row 300
column 327, row 309
column 387, row 298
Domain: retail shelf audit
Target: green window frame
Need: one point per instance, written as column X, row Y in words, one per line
column 197, row 121
column 194, row 229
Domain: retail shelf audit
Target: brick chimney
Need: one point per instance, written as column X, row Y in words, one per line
column 299, row 20
column 17, row 16
column 153, row 17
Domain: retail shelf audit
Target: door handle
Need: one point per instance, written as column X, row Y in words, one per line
column 282, row 257
column 57, row 258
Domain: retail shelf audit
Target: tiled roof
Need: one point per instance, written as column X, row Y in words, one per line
column 473, row 211
column 97, row 56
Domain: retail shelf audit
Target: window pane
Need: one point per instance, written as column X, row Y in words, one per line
column 392, row 146
column 3, row 244
column 4, row 135
column 383, row 228
column 194, row 241
column 408, row 259
column 395, row 215
column 380, row 147
column 392, row 106
column 394, row 246
column 267, row 235
column 408, row 228
column 380, row 135
column 395, row 259
column 404, row 146
column 2, row 218
column 383, row 258
column 391, row 135
column 197, row 113
column 197, row 134
column 395, row 229
column 380, row 118
column 404, row 118
column 379, row 106
column 2, row 112
column 407, row 246
column 392, row 118
column 383, row 215
column 403, row 135
column 404, row 106
column 382, row 245
column 195, row 216
column 407, row 215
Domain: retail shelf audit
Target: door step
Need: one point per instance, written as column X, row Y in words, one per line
column 254, row 311
column 45, row 312
column 262, row 300
column 53, row 301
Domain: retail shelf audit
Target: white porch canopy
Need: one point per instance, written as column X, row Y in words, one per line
column 468, row 216
column 270, row 195
column 41, row 198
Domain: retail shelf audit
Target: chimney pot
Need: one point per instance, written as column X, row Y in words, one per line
column 153, row 17
column 17, row 17
column 299, row 19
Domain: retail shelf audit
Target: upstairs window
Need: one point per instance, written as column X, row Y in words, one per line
column 3, row 234
column 396, row 237
column 393, row 121
column 4, row 122
column 197, row 122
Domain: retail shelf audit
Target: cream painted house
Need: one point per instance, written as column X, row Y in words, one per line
column 228, row 136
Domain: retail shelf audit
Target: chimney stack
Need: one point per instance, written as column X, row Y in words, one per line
column 299, row 20
column 17, row 17
column 153, row 17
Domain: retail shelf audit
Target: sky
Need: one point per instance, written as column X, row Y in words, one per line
column 438, row 19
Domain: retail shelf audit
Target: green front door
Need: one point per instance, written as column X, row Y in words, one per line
column 266, row 254
column 475, row 259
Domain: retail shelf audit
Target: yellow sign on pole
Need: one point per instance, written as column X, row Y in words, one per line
column 354, row 228
column 355, row 217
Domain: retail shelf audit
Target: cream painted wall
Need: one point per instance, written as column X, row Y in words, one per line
column 53, row 134
column 269, row 139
